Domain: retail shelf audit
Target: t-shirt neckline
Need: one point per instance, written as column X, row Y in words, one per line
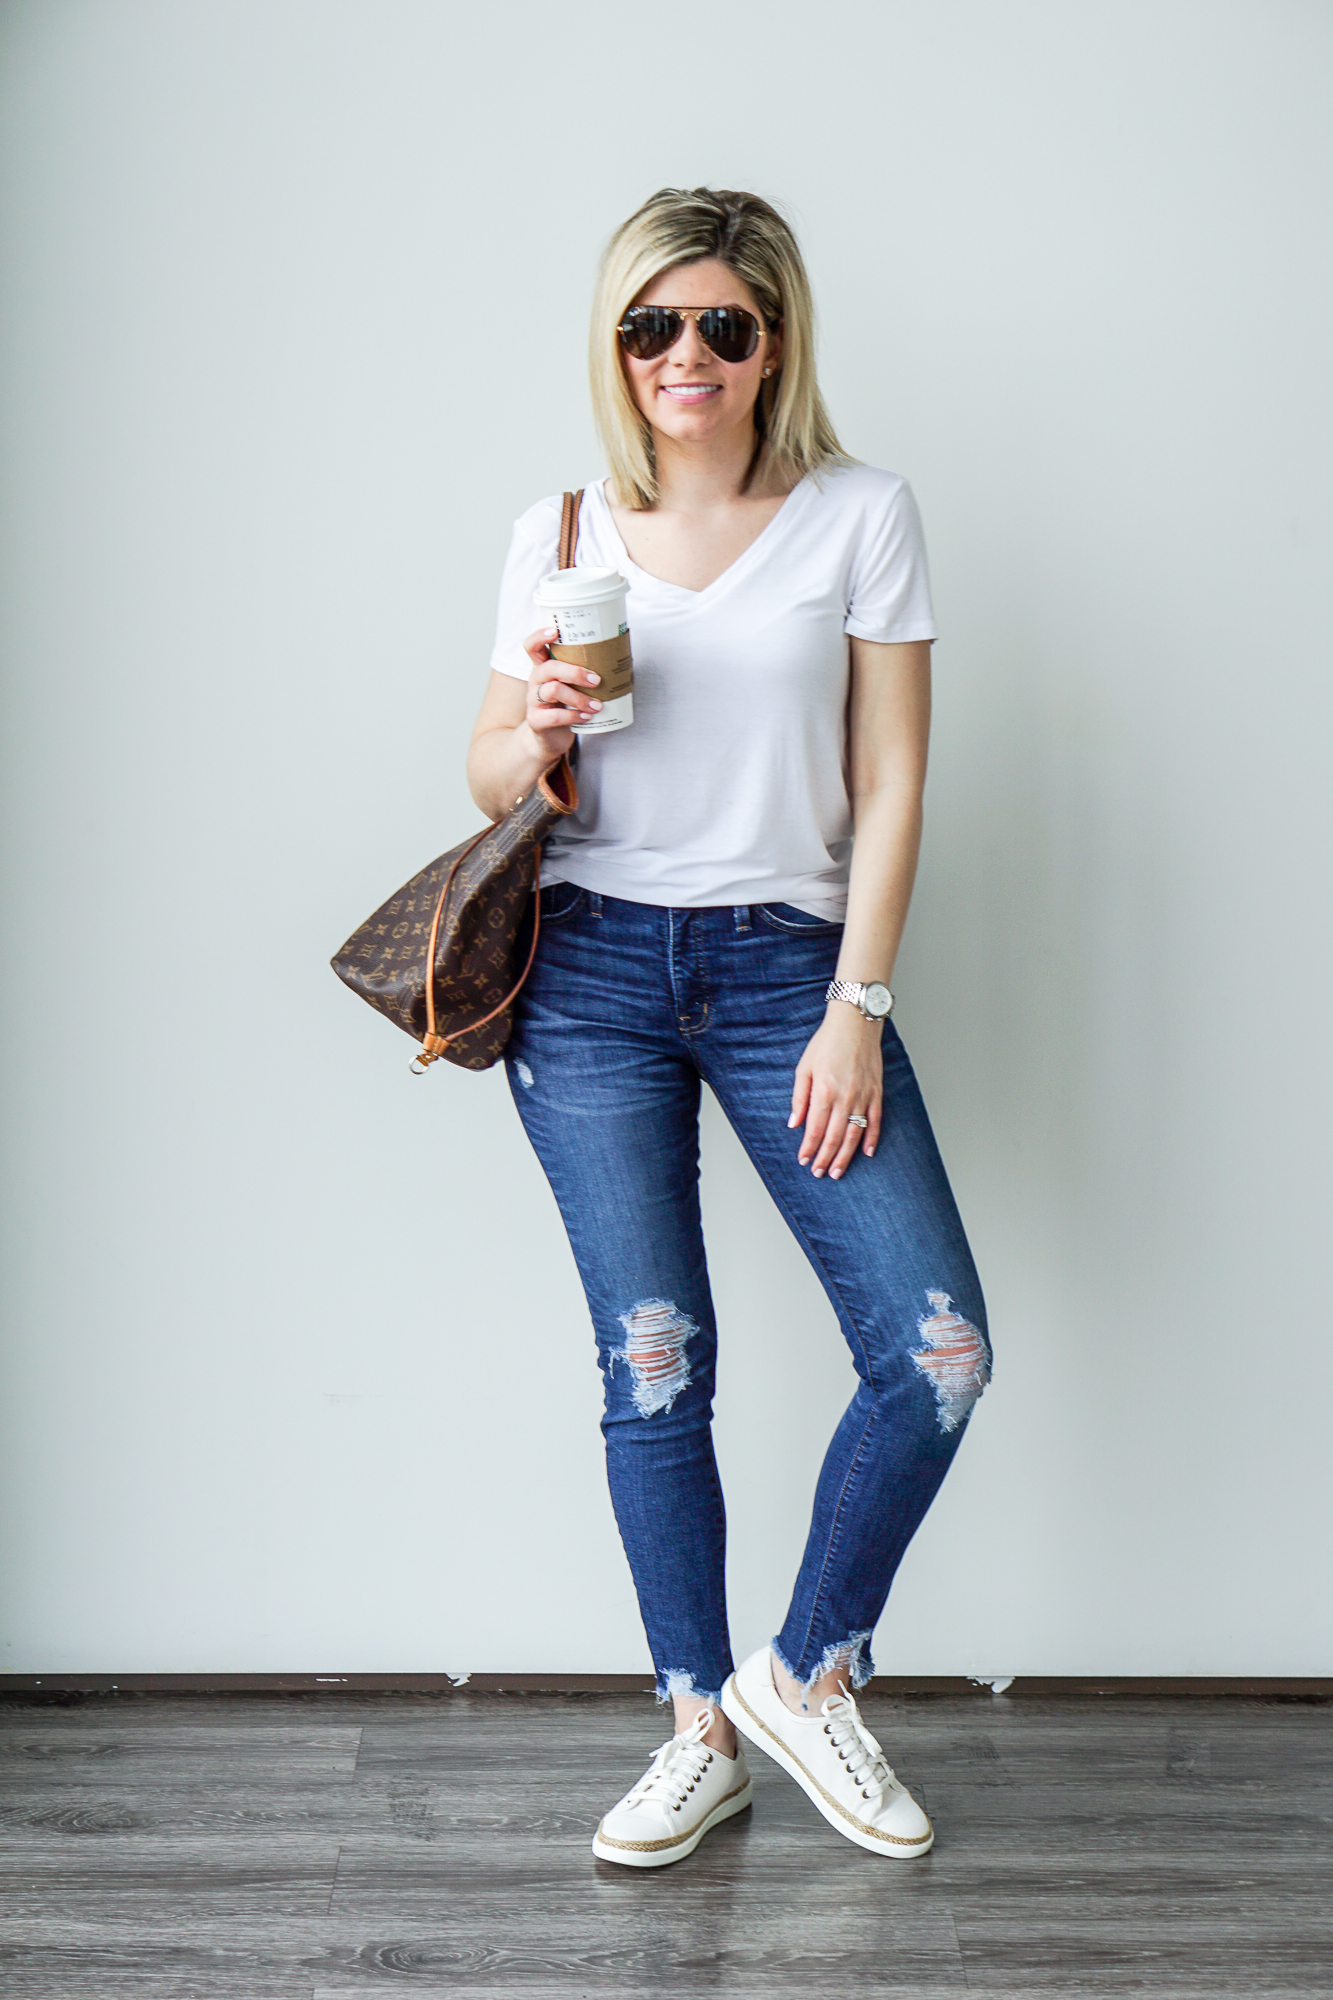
column 728, row 575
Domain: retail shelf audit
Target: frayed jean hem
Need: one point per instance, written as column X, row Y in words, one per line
column 852, row 1652
column 679, row 1683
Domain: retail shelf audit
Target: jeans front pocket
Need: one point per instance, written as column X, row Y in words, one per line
column 786, row 917
column 561, row 901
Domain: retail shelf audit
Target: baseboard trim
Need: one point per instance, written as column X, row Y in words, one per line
column 1251, row 1687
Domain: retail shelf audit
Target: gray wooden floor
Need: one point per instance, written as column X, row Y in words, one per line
column 258, row 1847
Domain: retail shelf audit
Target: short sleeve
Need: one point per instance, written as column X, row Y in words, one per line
column 888, row 586
column 533, row 553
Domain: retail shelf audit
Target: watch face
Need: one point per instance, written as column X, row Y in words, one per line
column 878, row 1000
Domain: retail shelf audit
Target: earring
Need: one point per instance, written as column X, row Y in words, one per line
column 768, row 371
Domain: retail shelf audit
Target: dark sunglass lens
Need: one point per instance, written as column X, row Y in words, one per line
column 647, row 331
column 732, row 333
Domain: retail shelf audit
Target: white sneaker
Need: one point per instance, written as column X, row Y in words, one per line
column 834, row 1759
column 686, row 1790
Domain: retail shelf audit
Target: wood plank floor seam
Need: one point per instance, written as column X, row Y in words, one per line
column 958, row 1947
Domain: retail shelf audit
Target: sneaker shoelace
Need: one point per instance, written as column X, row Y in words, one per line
column 867, row 1766
column 677, row 1766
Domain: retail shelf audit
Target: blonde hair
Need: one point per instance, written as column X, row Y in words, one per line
column 685, row 226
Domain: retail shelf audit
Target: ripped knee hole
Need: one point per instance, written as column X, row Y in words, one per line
column 955, row 1360
column 656, row 1333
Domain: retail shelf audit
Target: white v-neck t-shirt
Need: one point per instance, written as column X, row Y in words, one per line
column 730, row 785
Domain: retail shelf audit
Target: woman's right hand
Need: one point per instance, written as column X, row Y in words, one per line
column 559, row 695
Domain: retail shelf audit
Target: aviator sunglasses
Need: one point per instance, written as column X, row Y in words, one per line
column 649, row 331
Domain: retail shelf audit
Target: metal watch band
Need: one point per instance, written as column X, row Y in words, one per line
column 854, row 991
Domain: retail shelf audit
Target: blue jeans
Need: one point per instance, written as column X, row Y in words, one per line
column 627, row 1008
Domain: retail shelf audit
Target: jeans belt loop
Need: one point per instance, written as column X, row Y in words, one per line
column 594, row 902
column 742, row 915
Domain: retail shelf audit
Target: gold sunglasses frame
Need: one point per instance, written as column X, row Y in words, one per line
column 696, row 313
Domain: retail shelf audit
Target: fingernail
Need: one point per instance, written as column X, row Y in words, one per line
column 819, row 1173
column 793, row 1120
column 870, row 1152
column 835, row 1173
column 593, row 680
column 593, row 704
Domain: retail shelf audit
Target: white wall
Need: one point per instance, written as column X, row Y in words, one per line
column 300, row 1376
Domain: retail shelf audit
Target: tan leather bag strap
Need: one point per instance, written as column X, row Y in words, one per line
column 433, row 1045
column 569, row 527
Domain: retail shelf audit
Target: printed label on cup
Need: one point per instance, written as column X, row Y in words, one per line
column 581, row 624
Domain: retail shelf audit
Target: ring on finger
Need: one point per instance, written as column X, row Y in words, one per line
column 855, row 1118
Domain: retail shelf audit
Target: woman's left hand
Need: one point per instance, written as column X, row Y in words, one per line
column 841, row 1071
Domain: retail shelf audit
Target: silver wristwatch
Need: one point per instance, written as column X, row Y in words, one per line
column 874, row 1000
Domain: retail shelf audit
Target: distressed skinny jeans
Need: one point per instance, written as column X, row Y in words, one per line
column 628, row 1007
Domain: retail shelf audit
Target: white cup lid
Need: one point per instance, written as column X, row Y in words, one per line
column 578, row 586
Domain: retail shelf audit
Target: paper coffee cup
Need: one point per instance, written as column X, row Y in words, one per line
column 588, row 608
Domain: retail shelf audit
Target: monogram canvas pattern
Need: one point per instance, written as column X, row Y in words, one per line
column 384, row 960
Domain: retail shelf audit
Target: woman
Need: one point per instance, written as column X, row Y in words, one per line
column 706, row 915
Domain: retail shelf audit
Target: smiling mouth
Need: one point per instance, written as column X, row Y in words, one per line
column 690, row 392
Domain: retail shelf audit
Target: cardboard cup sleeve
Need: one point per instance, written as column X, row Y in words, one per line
column 611, row 658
